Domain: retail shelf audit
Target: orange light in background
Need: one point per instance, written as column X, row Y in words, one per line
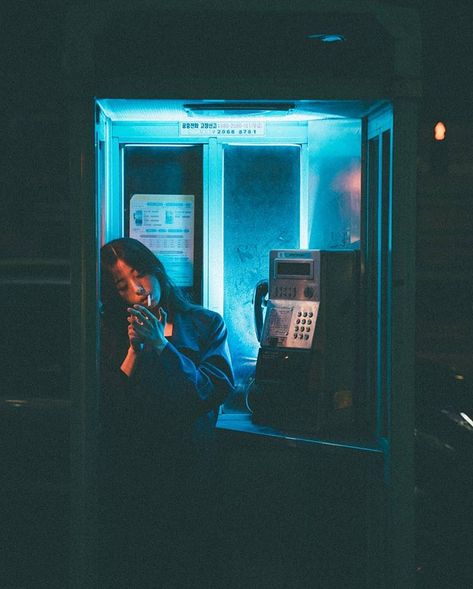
column 440, row 131
column 348, row 180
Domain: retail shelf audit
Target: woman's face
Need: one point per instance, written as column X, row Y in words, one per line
column 134, row 287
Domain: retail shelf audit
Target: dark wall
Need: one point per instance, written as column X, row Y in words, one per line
column 445, row 242
column 445, row 186
column 34, row 199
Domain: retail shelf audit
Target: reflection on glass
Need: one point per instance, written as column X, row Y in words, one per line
column 334, row 184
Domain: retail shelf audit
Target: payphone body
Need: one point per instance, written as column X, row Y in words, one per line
column 306, row 371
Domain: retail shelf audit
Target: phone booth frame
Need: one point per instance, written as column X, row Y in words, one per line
column 388, row 251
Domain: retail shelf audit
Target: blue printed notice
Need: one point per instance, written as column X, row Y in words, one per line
column 165, row 224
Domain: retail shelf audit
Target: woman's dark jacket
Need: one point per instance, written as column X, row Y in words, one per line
column 162, row 418
column 158, row 476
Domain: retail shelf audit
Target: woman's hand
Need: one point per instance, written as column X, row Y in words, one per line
column 145, row 328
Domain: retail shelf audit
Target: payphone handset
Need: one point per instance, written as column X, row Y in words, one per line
column 293, row 305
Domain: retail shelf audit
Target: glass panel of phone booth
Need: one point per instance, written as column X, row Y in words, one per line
column 334, row 184
column 151, row 172
column 261, row 212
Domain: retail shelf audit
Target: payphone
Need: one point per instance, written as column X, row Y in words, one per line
column 306, row 371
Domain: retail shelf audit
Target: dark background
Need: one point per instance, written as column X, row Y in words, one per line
column 35, row 227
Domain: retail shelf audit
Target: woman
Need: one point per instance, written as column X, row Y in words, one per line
column 165, row 371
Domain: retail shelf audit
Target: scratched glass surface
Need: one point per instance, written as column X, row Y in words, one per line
column 261, row 212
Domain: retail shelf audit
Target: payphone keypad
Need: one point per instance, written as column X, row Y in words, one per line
column 290, row 324
column 304, row 324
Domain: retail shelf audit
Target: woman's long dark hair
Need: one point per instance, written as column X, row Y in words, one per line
column 140, row 258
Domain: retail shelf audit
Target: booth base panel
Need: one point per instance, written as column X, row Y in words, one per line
column 293, row 519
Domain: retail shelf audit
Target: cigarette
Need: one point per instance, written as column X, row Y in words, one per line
column 149, row 300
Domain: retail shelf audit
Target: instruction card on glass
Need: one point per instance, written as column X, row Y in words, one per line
column 165, row 224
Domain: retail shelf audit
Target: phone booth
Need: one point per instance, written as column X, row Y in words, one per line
column 217, row 134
